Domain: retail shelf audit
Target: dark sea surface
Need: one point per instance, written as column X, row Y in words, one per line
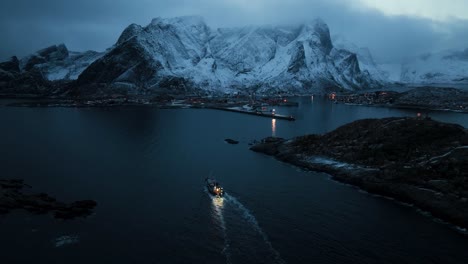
column 146, row 168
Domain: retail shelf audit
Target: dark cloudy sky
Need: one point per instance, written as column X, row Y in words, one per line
column 392, row 29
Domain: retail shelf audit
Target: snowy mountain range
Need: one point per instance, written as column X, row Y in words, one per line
column 183, row 53
column 436, row 68
column 446, row 67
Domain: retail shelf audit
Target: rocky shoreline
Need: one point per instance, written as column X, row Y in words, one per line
column 162, row 101
column 423, row 98
column 416, row 161
column 12, row 197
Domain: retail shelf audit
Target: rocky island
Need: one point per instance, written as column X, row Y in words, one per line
column 12, row 197
column 418, row 161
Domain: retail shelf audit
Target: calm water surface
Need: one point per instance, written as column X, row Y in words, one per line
column 145, row 168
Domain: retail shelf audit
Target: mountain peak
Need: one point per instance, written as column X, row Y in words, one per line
column 319, row 23
column 182, row 20
column 317, row 32
column 129, row 32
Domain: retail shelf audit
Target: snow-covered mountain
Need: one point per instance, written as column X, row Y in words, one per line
column 364, row 56
column 58, row 63
column 447, row 67
column 33, row 74
column 184, row 53
column 437, row 68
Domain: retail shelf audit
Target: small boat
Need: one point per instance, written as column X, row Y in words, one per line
column 214, row 188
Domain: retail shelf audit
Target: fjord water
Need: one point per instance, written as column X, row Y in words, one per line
column 145, row 167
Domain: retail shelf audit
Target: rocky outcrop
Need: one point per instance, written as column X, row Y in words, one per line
column 10, row 66
column 298, row 59
column 13, row 81
column 12, row 198
column 129, row 32
column 47, row 55
column 364, row 57
column 418, row 161
column 231, row 141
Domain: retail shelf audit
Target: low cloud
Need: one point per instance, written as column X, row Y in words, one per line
column 27, row 25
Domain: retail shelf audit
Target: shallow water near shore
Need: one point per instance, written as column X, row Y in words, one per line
column 146, row 166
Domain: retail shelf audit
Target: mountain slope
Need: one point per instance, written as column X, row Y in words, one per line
column 365, row 59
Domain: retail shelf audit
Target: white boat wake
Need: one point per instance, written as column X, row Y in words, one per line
column 219, row 204
column 247, row 215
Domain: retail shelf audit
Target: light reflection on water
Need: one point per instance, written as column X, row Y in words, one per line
column 273, row 127
column 218, row 205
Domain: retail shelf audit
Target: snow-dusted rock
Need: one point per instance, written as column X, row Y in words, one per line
column 365, row 59
column 58, row 63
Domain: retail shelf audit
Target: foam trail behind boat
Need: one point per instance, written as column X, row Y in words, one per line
column 218, row 204
column 251, row 219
